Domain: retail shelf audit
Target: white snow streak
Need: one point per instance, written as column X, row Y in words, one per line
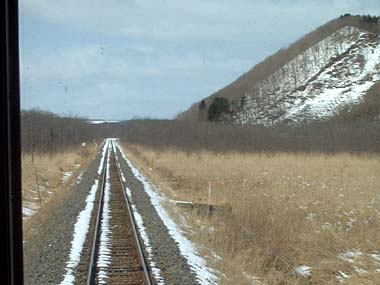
column 66, row 175
column 303, row 270
column 79, row 178
column 342, row 276
column 97, row 122
column 27, row 211
column 81, row 228
column 105, row 147
column 80, row 233
column 187, row 249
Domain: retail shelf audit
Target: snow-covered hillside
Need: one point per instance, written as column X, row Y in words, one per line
column 333, row 74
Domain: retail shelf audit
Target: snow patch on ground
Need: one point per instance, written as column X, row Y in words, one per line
column 350, row 255
column 357, row 260
column 375, row 256
column 66, row 176
column 81, row 228
column 27, row 212
column 97, row 122
column 79, row 177
column 252, row 279
column 188, row 250
column 80, row 232
column 303, row 270
column 342, row 277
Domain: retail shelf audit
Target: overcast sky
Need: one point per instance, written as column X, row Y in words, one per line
column 116, row 59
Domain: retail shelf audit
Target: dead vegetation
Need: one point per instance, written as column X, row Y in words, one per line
column 368, row 109
column 354, row 135
column 44, row 176
column 287, row 211
column 54, row 151
column 46, row 132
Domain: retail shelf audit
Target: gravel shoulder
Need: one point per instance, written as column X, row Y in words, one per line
column 166, row 254
column 48, row 234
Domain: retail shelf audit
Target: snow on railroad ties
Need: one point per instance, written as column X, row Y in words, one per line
column 105, row 235
column 105, row 147
column 81, row 228
column 187, row 248
column 140, row 224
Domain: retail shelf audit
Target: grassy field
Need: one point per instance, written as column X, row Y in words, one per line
column 45, row 176
column 295, row 218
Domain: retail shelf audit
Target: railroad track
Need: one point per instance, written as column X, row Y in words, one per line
column 116, row 255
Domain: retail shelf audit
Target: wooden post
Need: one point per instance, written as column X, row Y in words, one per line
column 209, row 197
column 51, row 142
column 32, row 147
column 38, row 186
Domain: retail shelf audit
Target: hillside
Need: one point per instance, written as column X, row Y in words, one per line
column 325, row 73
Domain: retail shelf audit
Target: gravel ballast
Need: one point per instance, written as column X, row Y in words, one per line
column 173, row 267
column 49, row 233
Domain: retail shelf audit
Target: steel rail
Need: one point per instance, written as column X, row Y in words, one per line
column 91, row 274
column 142, row 259
column 95, row 241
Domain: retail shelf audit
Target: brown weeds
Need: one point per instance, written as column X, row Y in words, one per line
column 288, row 210
column 43, row 176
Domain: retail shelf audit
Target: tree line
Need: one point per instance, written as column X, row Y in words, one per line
column 353, row 136
column 46, row 132
column 353, row 131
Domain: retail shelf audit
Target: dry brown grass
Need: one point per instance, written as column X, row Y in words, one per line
column 42, row 179
column 287, row 210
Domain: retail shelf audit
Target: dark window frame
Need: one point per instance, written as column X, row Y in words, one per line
column 11, row 257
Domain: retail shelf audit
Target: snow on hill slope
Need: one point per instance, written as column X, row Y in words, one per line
column 331, row 75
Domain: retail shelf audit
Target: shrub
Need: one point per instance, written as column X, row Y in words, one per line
column 218, row 108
